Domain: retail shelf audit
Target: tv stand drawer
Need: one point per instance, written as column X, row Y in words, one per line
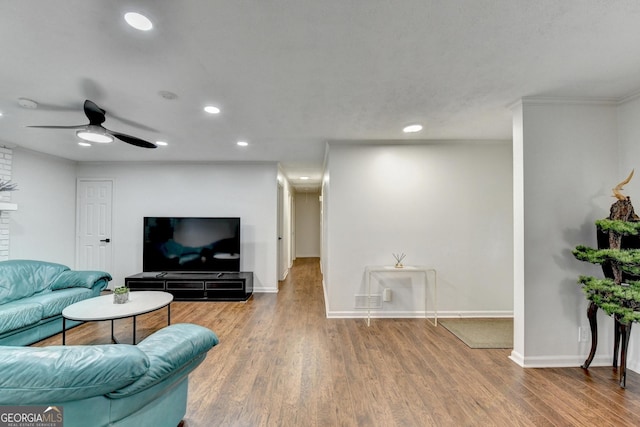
column 191, row 285
column 145, row 285
column 224, row 284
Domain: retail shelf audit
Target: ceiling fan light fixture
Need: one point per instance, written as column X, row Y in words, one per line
column 138, row 21
column 93, row 135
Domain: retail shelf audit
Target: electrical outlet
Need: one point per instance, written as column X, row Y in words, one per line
column 583, row 334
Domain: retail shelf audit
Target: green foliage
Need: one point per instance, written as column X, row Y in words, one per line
column 622, row 301
column 622, row 228
column 594, row 256
column 627, row 260
column 121, row 290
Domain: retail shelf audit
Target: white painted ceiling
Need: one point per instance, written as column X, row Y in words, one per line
column 291, row 75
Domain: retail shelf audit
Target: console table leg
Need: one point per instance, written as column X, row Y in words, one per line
column 625, row 334
column 617, row 333
column 592, row 311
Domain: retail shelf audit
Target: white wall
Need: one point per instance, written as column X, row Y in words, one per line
column 569, row 165
column 43, row 227
column 447, row 205
column 307, row 220
column 245, row 190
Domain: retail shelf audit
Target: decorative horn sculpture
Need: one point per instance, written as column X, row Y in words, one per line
column 618, row 188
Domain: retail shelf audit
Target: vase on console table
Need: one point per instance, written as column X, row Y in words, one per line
column 399, row 258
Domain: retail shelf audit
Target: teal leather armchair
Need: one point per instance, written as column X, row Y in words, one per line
column 108, row 385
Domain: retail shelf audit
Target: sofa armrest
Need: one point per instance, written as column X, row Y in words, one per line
column 33, row 375
column 80, row 279
column 175, row 350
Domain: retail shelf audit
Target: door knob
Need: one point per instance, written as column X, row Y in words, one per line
column 106, row 240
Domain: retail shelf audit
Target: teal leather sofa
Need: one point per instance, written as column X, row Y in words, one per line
column 34, row 293
column 108, row 385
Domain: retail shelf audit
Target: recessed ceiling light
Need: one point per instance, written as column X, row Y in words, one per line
column 0, row 113
column 304, row 178
column 161, row 143
column 84, row 144
column 242, row 143
column 211, row 109
column 138, row 21
column 412, row 128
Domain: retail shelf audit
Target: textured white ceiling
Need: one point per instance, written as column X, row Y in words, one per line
column 290, row 75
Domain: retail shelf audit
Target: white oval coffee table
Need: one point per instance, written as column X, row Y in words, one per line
column 103, row 308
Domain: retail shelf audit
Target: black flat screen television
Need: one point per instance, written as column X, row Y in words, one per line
column 191, row 244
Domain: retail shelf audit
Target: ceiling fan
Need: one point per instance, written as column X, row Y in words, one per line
column 95, row 132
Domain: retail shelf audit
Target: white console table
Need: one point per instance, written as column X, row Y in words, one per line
column 370, row 269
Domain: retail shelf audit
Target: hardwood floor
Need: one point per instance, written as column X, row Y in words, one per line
column 280, row 362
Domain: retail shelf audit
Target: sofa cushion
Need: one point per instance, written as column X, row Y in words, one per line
column 18, row 314
column 40, row 375
column 54, row 302
column 23, row 278
column 78, row 279
column 171, row 351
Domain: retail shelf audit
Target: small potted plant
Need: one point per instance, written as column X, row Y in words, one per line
column 120, row 295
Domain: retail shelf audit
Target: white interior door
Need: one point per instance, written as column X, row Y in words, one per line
column 95, row 199
column 281, row 257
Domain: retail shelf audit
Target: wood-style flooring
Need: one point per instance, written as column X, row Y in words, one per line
column 281, row 362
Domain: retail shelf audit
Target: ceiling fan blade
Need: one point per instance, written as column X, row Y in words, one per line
column 133, row 140
column 131, row 123
column 94, row 113
column 60, row 127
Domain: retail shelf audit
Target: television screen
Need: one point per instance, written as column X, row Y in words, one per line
column 191, row 244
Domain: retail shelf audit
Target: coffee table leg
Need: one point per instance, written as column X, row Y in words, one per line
column 113, row 337
column 134, row 330
column 169, row 314
column 64, row 331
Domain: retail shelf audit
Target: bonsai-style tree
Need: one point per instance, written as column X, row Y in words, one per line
column 618, row 294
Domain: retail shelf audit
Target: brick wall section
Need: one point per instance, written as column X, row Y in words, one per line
column 6, row 156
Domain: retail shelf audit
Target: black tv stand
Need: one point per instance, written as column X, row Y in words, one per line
column 195, row 285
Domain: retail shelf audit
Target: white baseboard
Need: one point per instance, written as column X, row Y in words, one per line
column 471, row 314
column 558, row 361
column 362, row 313
column 326, row 297
column 265, row 290
column 632, row 366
